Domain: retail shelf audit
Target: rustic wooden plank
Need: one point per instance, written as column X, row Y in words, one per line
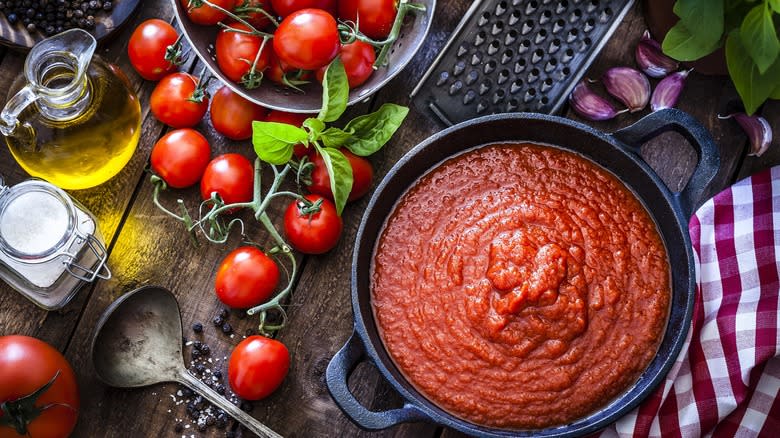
column 751, row 165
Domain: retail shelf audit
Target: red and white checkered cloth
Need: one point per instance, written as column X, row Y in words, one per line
column 726, row 380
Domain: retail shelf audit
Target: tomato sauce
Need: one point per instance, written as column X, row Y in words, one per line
column 520, row 286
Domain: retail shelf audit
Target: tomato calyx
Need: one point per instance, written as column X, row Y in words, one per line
column 307, row 208
column 174, row 53
column 199, row 94
column 19, row 413
column 253, row 78
column 244, row 10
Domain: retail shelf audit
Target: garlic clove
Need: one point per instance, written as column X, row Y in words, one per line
column 629, row 86
column 757, row 129
column 667, row 92
column 590, row 105
column 651, row 58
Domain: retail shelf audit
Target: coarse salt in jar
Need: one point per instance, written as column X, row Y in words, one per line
column 50, row 245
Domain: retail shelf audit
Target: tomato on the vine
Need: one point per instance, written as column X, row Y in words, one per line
column 307, row 39
column 362, row 174
column 257, row 366
column 232, row 115
column 230, row 175
column 374, row 17
column 358, row 58
column 294, row 119
column 180, row 157
column 248, row 10
column 286, row 7
column 312, row 232
column 237, row 52
column 246, row 277
column 27, row 365
column 203, row 14
column 148, row 49
column 178, row 101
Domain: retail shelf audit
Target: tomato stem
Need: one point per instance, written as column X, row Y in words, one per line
column 235, row 17
column 244, row 8
column 174, row 52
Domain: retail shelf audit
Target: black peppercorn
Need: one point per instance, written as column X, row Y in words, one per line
column 187, row 392
column 200, row 368
column 218, row 320
column 220, row 389
column 230, row 434
column 222, row 421
column 226, row 328
column 107, row 6
column 217, row 374
column 195, row 354
column 197, row 345
column 178, row 428
column 205, row 350
column 12, row 18
column 197, row 327
column 224, row 313
column 210, row 421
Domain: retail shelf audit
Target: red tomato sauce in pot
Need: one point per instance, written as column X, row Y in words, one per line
column 520, row 286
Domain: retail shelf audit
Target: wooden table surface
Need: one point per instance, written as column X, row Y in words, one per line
column 147, row 247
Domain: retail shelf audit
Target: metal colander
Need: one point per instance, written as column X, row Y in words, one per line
column 516, row 56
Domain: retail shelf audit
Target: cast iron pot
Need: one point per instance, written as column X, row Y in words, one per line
column 618, row 153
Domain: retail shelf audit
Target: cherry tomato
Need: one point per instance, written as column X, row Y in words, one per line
column 180, row 157
column 178, row 102
column 148, row 48
column 246, row 9
column 376, row 17
column 206, row 15
column 294, row 119
column 362, row 174
column 232, row 115
column 26, row 365
column 230, row 175
column 313, row 233
column 307, row 39
column 358, row 59
column 286, row 7
column 236, row 52
column 246, row 277
column 257, row 366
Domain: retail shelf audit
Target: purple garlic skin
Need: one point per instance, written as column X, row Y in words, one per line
column 757, row 129
column 629, row 86
column 590, row 105
column 667, row 92
column 652, row 60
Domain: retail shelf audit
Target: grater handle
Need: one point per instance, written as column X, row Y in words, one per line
column 703, row 179
column 336, row 376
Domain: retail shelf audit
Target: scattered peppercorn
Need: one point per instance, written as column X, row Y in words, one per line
column 178, row 427
column 224, row 313
column 220, row 389
column 218, row 320
column 205, row 350
column 230, row 434
column 200, row 368
column 54, row 16
column 222, row 421
column 195, row 353
column 217, row 374
column 197, row 327
column 226, row 328
column 197, row 345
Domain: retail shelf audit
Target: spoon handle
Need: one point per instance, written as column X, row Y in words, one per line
column 209, row 394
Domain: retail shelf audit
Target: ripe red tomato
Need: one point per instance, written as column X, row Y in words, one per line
column 148, row 47
column 362, row 174
column 180, row 157
column 286, row 7
column 294, row 119
column 247, row 9
column 358, row 59
column 236, row 51
column 307, row 39
column 206, row 15
column 26, row 365
column 232, row 115
column 177, row 101
column 257, row 367
column 230, row 175
column 313, row 233
column 246, row 277
column 376, row 16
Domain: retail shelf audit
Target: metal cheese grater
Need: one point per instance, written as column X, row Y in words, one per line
column 515, row 56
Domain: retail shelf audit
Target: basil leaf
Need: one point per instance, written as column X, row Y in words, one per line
column 759, row 37
column 335, row 92
column 683, row 45
column 753, row 87
column 703, row 18
column 340, row 172
column 775, row 4
column 775, row 94
column 371, row 131
column 274, row 142
column 315, row 127
column 334, row 137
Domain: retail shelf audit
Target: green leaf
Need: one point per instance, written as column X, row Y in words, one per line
column 335, row 92
column 371, row 131
column 274, row 141
column 315, row 128
column 759, row 37
column 753, row 87
column 703, row 18
column 775, row 94
column 682, row 45
column 340, row 173
column 334, row 137
column 775, row 4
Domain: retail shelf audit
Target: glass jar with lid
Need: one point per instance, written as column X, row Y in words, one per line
column 50, row 245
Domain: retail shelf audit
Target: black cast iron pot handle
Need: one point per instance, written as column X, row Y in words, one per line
column 654, row 124
column 336, row 376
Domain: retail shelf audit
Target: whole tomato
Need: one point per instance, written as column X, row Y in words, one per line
column 27, row 365
column 312, row 233
column 180, row 157
column 294, row 119
column 178, row 102
column 307, row 39
column 237, row 51
column 246, row 278
column 362, row 174
column 206, row 15
column 248, row 10
column 257, row 366
column 232, row 115
column 230, row 175
column 374, row 17
column 358, row 58
column 286, row 7
column 148, row 49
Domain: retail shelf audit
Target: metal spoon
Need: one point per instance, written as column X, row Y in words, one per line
column 137, row 342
